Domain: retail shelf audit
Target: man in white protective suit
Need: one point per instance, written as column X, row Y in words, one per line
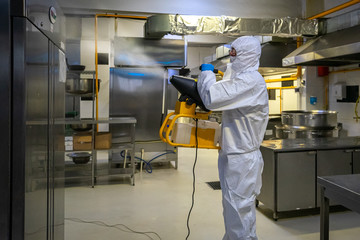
column 243, row 98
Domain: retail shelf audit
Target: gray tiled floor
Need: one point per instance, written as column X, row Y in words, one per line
column 160, row 202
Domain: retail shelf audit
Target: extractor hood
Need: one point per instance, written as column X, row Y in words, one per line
column 333, row 49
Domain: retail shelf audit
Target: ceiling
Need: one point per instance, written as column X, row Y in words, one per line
column 238, row 8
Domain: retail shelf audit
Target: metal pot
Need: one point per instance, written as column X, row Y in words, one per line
column 286, row 132
column 316, row 119
column 76, row 67
column 281, row 132
column 80, row 85
column 80, row 157
column 81, row 127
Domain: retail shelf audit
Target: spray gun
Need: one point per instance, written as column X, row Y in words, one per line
column 188, row 89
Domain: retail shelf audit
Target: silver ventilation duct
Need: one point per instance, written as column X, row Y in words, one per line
column 159, row 25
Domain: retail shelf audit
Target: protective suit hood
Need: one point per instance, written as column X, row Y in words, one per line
column 248, row 51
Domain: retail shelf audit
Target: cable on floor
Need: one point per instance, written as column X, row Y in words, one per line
column 193, row 193
column 117, row 226
column 147, row 165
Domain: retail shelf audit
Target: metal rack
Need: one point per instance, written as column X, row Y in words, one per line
column 124, row 145
column 130, row 145
column 76, row 99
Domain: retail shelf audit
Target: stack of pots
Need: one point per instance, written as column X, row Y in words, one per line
column 77, row 85
column 307, row 124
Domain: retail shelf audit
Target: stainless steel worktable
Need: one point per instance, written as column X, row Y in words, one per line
column 114, row 120
column 304, row 144
column 345, row 190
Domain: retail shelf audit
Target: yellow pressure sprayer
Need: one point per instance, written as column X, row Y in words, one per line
column 207, row 133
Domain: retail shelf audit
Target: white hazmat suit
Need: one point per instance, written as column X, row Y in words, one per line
column 243, row 99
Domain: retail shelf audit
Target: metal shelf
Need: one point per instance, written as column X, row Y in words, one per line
column 116, row 120
column 116, row 148
column 82, row 72
column 119, row 120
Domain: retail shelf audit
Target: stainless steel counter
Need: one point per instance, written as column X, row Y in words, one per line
column 294, row 145
column 345, row 190
column 288, row 160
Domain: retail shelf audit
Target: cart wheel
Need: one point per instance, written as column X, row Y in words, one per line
column 275, row 216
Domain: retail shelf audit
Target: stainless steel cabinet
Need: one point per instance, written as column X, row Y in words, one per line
column 291, row 168
column 333, row 162
column 37, row 131
column 267, row 194
column 137, row 92
column 296, row 180
column 146, row 94
column 356, row 161
column 288, row 180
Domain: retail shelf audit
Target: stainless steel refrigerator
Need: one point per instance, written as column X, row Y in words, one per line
column 139, row 84
column 140, row 87
column 38, row 112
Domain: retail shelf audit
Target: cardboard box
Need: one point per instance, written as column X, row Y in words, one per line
column 103, row 140
column 82, row 141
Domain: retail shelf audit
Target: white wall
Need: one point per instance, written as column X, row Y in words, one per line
column 328, row 4
column 314, row 7
column 314, row 87
column 346, row 111
column 197, row 54
column 290, row 98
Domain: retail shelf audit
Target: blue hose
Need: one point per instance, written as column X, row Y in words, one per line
column 148, row 166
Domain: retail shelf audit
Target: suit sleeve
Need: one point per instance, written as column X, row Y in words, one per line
column 228, row 94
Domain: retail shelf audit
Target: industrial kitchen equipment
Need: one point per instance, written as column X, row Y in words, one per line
column 38, row 97
column 140, row 88
column 80, row 157
column 307, row 124
column 77, row 85
column 203, row 137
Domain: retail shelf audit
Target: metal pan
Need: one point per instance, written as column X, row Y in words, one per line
column 80, row 157
column 76, row 67
column 316, row 119
column 80, row 85
column 81, row 127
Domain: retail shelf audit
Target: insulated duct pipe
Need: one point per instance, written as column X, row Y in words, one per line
column 157, row 26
